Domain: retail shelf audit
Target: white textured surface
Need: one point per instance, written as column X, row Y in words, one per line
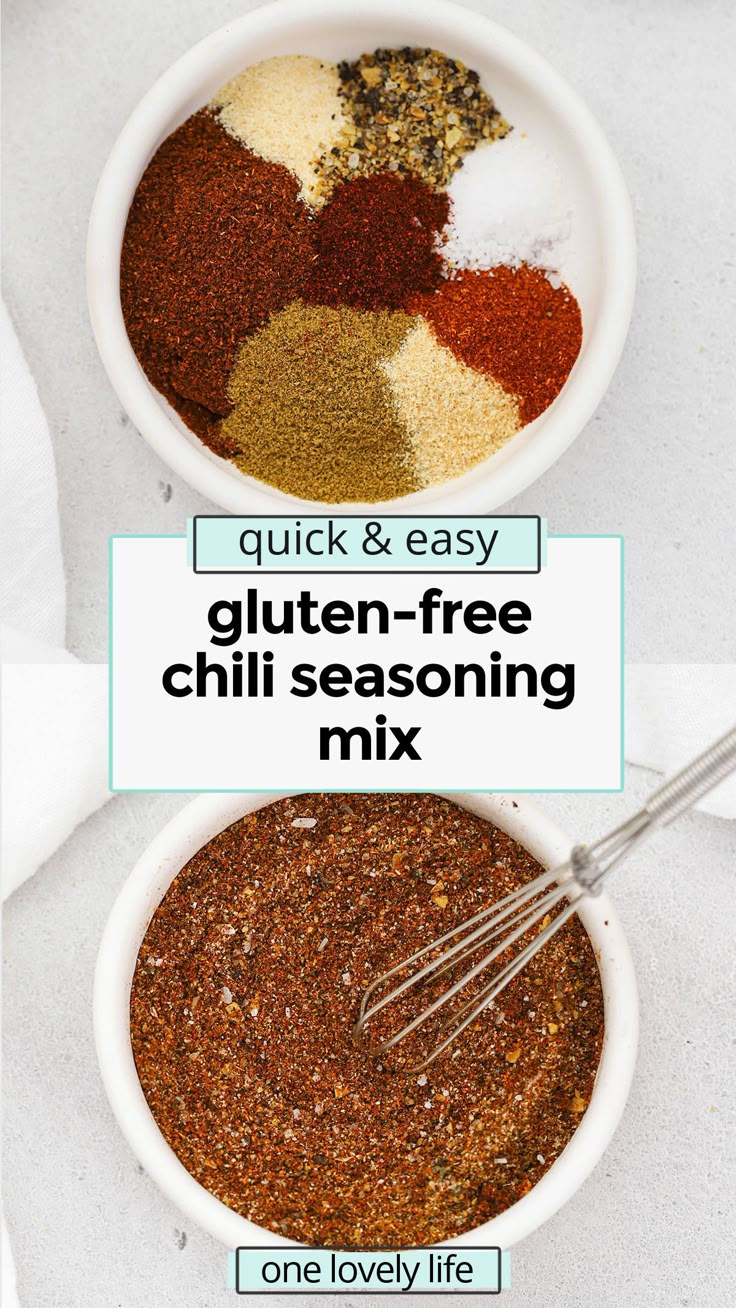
column 658, row 460
column 651, row 1226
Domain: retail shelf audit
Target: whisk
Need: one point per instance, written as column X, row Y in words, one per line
column 548, row 900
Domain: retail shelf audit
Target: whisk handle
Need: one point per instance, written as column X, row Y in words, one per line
column 689, row 785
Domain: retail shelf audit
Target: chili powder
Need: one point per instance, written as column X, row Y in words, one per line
column 216, row 239
column 512, row 324
column 246, row 988
column 376, row 242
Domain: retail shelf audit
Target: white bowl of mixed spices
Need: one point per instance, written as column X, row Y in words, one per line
column 366, row 256
column 228, row 981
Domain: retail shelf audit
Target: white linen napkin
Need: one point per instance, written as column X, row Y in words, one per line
column 54, row 772
column 54, row 708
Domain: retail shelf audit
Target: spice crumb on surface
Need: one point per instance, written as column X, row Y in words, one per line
column 282, row 1118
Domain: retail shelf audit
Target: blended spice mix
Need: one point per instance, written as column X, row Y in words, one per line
column 246, row 989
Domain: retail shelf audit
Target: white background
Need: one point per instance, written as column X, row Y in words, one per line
column 652, row 1223
column 162, row 743
column 658, row 460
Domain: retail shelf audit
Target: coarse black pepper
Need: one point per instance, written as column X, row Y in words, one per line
column 411, row 110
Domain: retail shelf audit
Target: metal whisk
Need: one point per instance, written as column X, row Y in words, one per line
column 549, row 900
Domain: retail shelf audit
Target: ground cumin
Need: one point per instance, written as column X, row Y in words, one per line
column 312, row 412
column 246, row 989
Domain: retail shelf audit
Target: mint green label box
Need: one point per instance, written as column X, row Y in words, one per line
column 476, row 544
column 404, row 1271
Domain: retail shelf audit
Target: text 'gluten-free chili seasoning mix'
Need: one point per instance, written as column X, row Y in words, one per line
column 246, row 989
column 390, row 184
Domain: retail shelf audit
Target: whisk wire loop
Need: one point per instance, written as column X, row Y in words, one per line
column 520, row 912
column 491, row 991
column 501, row 910
column 537, row 910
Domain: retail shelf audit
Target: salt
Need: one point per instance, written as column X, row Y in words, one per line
column 508, row 207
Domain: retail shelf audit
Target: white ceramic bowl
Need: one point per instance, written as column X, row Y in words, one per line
column 198, row 823
column 530, row 94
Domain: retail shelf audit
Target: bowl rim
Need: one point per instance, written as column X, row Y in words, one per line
column 198, row 822
column 472, row 492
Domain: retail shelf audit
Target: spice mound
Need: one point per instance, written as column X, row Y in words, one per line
column 413, row 111
column 216, row 240
column 246, row 989
column 311, row 410
column 390, row 184
column 498, row 323
column 376, row 242
column 287, row 109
